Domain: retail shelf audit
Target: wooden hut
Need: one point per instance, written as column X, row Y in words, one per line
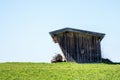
column 79, row 45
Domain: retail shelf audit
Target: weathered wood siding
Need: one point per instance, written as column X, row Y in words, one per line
column 79, row 47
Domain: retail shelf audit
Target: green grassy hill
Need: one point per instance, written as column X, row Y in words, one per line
column 59, row 71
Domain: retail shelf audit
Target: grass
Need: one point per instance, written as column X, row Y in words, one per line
column 59, row 71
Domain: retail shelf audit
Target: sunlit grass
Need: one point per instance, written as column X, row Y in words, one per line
column 59, row 71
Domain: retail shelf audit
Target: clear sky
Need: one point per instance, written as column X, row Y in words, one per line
column 25, row 26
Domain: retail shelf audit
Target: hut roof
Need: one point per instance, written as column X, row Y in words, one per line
column 100, row 35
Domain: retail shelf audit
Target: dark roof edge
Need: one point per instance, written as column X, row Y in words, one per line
column 77, row 30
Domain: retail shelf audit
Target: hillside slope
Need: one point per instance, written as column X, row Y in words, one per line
column 58, row 71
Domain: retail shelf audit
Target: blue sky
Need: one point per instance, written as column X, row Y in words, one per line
column 25, row 26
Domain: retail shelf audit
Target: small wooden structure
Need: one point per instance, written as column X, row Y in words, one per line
column 79, row 45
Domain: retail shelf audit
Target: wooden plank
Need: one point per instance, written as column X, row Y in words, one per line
column 90, row 42
column 79, row 48
column 88, row 58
